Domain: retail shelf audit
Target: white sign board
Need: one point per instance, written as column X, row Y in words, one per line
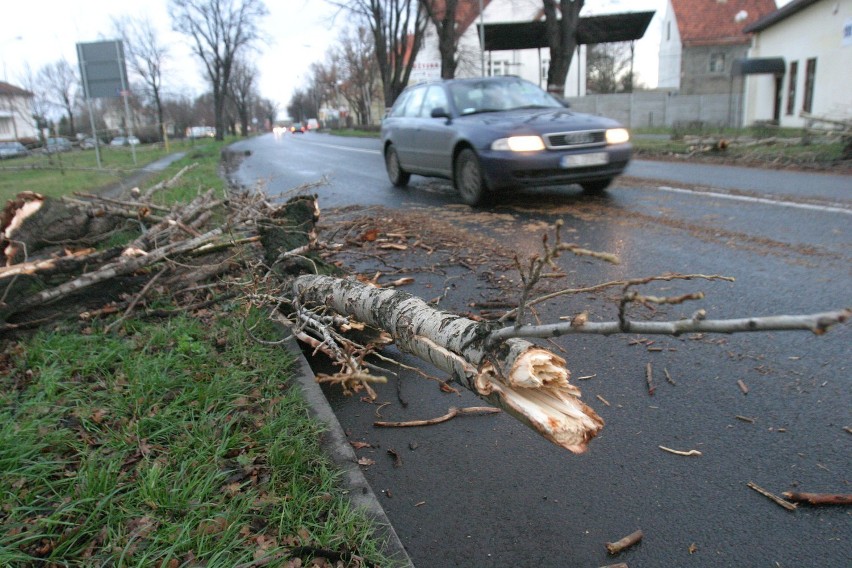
column 425, row 71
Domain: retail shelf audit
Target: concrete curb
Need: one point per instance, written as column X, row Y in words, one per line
column 336, row 445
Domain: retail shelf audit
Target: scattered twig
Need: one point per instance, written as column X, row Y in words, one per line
column 679, row 452
column 602, row 399
column 668, row 376
column 649, row 378
column 626, row 542
column 819, row 498
column 448, row 416
column 136, row 299
column 786, row 504
column 745, row 419
column 742, row 386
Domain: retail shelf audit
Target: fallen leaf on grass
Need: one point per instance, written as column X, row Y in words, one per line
column 360, row 445
column 212, row 526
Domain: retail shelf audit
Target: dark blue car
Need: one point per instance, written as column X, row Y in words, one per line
column 494, row 133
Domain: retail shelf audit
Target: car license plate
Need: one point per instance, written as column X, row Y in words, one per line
column 585, row 160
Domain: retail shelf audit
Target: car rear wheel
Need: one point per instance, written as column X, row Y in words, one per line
column 468, row 178
column 397, row 176
column 596, row 186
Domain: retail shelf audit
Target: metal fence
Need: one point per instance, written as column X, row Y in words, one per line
column 656, row 109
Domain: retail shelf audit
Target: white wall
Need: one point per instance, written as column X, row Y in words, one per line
column 16, row 118
column 815, row 32
column 670, row 51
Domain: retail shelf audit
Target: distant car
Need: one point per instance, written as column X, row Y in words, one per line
column 494, row 133
column 54, row 145
column 124, row 141
column 88, row 143
column 298, row 128
column 12, row 150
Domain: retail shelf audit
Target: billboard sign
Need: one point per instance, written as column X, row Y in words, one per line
column 102, row 69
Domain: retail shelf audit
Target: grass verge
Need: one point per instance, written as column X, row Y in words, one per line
column 173, row 442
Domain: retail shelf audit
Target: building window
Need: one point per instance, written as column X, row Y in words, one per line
column 717, row 62
column 669, row 30
column 791, row 87
column 545, row 67
column 810, row 78
column 498, row 68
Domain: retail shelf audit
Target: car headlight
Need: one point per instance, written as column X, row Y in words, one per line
column 519, row 144
column 617, row 136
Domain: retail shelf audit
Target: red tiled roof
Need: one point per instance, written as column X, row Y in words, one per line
column 9, row 90
column 467, row 12
column 714, row 22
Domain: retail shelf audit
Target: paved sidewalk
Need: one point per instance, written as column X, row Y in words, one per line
column 141, row 175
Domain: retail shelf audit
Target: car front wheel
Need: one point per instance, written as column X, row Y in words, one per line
column 397, row 176
column 596, row 186
column 468, row 178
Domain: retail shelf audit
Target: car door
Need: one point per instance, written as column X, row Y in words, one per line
column 435, row 137
column 402, row 124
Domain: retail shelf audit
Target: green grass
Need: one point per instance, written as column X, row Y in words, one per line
column 66, row 172
column 176, row 440
column 165, row 442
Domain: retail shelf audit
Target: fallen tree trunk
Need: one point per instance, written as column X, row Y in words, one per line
column 530, row 383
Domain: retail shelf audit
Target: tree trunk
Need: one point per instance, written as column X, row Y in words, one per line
column 562, row 40
column 528, row 382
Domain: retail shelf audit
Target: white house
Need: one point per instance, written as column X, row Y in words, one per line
column 814, row 39
column 16, row 115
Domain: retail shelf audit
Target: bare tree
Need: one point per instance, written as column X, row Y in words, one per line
column 442, row 13
column 60, row 84
column 243, row 91
column 267, row 110
column 608, row 67
column 147, row 56
column 359, row 73
column 220, row 29
column 562, row 40
column 398, row 27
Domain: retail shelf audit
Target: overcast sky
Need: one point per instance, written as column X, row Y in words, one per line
column 299, row 32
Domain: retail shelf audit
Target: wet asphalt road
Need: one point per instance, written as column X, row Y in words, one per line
column 485, row 491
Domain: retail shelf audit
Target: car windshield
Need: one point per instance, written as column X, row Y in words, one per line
column 472, row 97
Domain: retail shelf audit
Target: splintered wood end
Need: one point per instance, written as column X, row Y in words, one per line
column 537, row 393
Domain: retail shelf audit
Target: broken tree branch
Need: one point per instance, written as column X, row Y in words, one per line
column 528, row 382
column 817, row 323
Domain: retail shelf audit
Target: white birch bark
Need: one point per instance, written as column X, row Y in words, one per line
column 530, row 383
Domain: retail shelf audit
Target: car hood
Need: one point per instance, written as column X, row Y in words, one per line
column 539, row 120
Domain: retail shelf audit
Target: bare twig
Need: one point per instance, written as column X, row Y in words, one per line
column 819, row 498
column 626, row 542
column 448, row 416
column 786, row 504
column 679, row 452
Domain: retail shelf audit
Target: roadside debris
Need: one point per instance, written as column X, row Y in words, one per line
column 786, row 504
column 626, row 542
column 819, row 498
column 453, row 412
column 679, row 452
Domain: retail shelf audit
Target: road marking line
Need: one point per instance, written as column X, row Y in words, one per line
column 336, row 147
column 763, row 200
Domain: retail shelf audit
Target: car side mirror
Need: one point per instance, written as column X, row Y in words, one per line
column 440, row 112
